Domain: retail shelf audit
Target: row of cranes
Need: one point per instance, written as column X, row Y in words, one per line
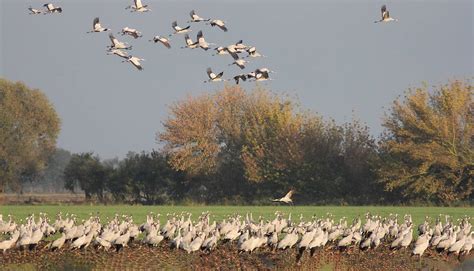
column 281, row 233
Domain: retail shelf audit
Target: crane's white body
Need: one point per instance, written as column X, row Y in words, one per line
column 286, row 199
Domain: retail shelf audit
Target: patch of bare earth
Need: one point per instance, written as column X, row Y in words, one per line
column 226, row 257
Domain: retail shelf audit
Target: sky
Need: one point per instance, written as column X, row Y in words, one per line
column 330, row 55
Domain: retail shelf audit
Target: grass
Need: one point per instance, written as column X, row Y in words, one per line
column 221, row 212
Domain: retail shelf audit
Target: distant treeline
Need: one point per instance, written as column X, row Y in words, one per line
column 246, row 147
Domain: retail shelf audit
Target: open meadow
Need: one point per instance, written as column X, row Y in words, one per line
column 139, row 212
column 217, row 135
column 226, row 256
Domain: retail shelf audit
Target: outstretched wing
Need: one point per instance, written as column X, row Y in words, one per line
column 96, row 21
column 112, row 39
column 188, row 40
column 209, row 72
column 383, row 10
column 289, row 194
column 138, row 4
column 165, row 42
column 223, row 27
column 234, row 55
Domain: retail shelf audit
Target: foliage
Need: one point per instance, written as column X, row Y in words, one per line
column 51, row 179
column 29, row 127
column 250, row 146
column 89, row 173
column 145, row 177
column 428, row 148
column 139, row 178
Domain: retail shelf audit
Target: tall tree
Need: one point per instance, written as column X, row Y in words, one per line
column 29, row 127
column 51, row 179
column 145, row 177
column 257, row 144
column 86, row 171
column 428, row 147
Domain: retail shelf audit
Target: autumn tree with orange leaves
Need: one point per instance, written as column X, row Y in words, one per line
column 255, row 144
column 428, row 148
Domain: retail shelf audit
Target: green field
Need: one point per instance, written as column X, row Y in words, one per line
column 221, row 212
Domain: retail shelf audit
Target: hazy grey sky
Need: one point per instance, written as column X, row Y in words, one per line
column 329, row 54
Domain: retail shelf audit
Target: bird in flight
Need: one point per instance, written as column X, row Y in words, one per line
column 116, row 44
column 202, row 42
column 287, row 198
column 385, row 16
column 138, row 6
column 195, row 18
column 189, row 42
column 221, row 51
column 162, row 40
column 118, row 52
column 50, row 8
column 131, row 32
column 213, row 77
column 240, row 77
column 252, row 52
column 220, row 24
column 135, row 62
column 34, row 11
column 178, row 29
column 240, row 62
column 96, row 27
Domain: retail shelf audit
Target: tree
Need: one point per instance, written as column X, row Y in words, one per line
column 51, row 179
column 29, row 127
column 231, row 130
column 146, row 177
column 428, row 146
column 89, row 173
column 250, row 146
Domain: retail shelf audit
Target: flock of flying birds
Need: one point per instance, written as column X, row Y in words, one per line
column 120, row 48
column 234, row 50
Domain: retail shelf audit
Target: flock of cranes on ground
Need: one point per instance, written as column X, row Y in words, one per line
column 180, row 232
column 234, row 50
